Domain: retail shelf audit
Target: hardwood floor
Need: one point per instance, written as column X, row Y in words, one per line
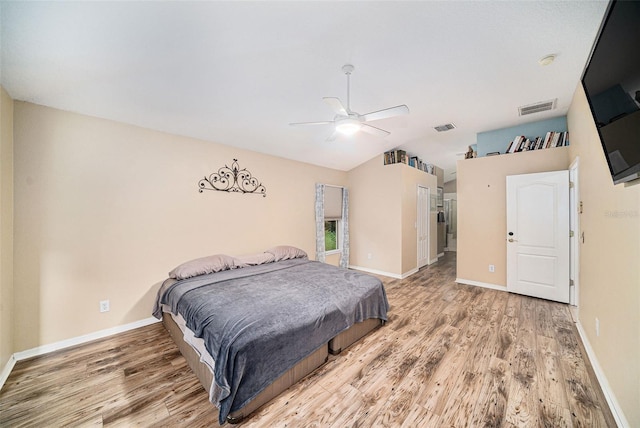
column 451, row 355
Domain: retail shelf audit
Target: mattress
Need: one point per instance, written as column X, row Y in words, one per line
column 205, row 375
column 259, row 322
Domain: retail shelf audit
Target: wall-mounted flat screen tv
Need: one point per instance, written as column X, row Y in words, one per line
column 611, row 81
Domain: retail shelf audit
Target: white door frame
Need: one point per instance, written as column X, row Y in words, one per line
column 574, row 212
column 539, row 240
column 426, row 212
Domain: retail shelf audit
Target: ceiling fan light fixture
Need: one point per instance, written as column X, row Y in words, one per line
column 348, row 122
column 348, row 126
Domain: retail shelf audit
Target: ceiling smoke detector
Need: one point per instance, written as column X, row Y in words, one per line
column 537, row 107
column 445, row 127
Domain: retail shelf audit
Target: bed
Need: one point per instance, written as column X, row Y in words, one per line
column 250, row 327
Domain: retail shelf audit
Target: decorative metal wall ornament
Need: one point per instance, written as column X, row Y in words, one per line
column 232, row 179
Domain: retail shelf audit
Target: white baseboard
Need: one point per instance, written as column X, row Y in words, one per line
column 616, row 410
column 41, row 350
column 6, row 371
column 408, row 274
column 45, row 349
column 433, row 260
column 481, row 284
column 383, row 273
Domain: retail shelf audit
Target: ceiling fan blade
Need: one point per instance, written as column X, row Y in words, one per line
column 374, row 131
column 336, row 105
column 388, row 112
column 326, row 122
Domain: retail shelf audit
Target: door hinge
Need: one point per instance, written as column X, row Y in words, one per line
column 571, row 234
column 571, row 284
column 571, row 185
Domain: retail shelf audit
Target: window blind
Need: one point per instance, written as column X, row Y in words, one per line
column 332, row 203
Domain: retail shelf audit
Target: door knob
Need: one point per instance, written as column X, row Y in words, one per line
column 512, row 240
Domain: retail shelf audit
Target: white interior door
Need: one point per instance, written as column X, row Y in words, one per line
column 422, row 225
column 538, row 235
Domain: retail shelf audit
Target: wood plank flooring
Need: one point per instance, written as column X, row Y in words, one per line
column 451, row 355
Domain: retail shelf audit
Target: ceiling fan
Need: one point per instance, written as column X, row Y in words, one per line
column 349, row 122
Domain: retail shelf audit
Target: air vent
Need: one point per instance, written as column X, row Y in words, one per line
column 537, row 107
column 445, row 127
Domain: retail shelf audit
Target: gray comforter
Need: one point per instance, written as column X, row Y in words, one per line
column 257, row 322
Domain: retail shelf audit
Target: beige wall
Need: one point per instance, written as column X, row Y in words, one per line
column 609, row 262
column 439, row 172
column 333, row 259
column 482, row 220
column 375, row 216
column 6, row 227
column 383, row 214
column 104, row 210
column 450, row 186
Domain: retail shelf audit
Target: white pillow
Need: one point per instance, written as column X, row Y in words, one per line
column 203, row 266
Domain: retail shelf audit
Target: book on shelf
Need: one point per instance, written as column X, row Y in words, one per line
column 401, row 156
column 509, row 147
column 516, row 144
column 396, row 156
column 551, row 139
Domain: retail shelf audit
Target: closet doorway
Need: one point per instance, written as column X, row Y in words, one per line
column 422, row 225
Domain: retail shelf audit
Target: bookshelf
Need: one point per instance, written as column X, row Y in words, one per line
column 400, row 156
column 523, row 144
column 497, row 140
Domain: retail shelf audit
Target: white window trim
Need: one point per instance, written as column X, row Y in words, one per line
column 339, row 229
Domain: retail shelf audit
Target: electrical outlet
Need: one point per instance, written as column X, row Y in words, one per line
column 597, row 327
column 369, row 256
column 492, row 268
column 104, row 306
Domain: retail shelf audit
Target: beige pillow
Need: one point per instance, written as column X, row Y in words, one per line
column 285, row 252
column 255, row 259
column 203, row 266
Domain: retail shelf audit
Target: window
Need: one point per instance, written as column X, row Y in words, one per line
column 332, row 223
column 331, row 238
column 332, row 218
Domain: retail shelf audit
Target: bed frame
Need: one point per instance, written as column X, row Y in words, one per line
column 292, row 376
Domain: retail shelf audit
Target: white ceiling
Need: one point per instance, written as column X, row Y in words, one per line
column 237, row 73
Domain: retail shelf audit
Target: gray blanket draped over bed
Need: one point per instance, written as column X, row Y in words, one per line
column 257, row 322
